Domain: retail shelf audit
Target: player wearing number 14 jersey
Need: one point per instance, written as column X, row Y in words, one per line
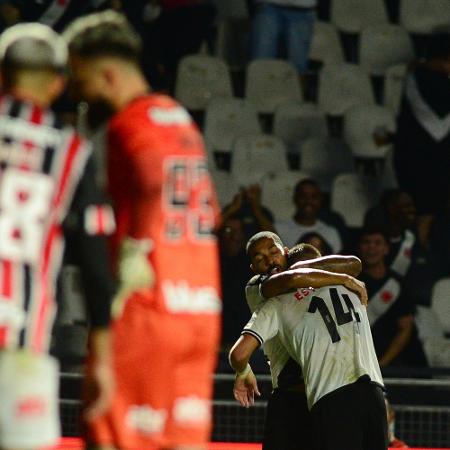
column 327, row 332
column 168, row 308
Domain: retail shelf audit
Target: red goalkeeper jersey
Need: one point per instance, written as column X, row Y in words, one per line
column 161, row 190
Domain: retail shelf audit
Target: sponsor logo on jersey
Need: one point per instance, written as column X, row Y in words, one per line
column 180, row 297
column 169, row 116
column 19, row 130
column 31, row 407
column 191, row 410
column 145, row 419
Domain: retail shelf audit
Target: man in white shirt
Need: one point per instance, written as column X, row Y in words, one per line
column 308, row 200
column 327, row 332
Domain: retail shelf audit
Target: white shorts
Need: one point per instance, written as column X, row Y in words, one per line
column 29, row 385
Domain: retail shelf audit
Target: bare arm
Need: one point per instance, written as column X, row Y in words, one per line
column 245, row 386
column 291, row 280
column 401, row 339
column 241, row 352
column 351, row 265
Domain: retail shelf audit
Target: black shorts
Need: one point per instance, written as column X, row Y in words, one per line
column 288, row 422
column 351, row 418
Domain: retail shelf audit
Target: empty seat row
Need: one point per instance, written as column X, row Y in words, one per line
column 272, row 82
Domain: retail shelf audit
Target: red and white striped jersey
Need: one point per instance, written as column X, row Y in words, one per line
column 42, row 164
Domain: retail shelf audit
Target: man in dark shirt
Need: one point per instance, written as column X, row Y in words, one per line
column 390, row 308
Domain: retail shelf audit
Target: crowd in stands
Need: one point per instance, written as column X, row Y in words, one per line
column 344, row 146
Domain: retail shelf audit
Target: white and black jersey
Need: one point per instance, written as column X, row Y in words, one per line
column 282, row 371
column 45, row 179
column 326, row 331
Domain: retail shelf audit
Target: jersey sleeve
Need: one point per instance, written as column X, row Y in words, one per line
column 89, row 221
column 263, row 325
column 253, row 293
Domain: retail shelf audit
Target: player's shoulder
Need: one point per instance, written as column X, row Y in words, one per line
column 153, row 110
column 256, row 280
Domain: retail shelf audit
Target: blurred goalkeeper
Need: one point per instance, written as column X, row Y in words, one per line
column 166, row 332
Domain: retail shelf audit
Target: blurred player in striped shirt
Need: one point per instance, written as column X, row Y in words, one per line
column 48, row 197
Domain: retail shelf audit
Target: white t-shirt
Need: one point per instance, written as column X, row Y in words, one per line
column 273, row 348
column 290, row 232
column 326, row 331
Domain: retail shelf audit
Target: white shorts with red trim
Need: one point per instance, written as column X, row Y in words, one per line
column 29, row 400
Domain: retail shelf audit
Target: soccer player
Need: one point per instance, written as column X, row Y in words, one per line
column 327, row 332
column 287, row 403
column 47, row 193
column 167, row 329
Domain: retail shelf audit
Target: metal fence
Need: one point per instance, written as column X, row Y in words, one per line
column 418, row 425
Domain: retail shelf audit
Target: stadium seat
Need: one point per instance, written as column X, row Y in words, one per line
column 228, row 119
column 324, row 158
column 394, row 80
column 360, row 124
column 326, row 46
column 351, row 196
column 199, row 79
column 277, row 192
column 440, row 302
column 257, row 156
column 351, row 16
column 271, row 82
column 422, row 16
column 295, row 122
column 342, row 86
column 381, row 46
column 226, row 186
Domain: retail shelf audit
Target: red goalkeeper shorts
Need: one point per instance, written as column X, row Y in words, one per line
column 164, row 367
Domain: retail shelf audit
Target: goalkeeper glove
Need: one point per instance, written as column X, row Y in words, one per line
column 134, row 272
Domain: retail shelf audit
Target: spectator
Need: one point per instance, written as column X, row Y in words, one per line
column 246, row 206
column 288, row 23
column 408, row 254
column 308, row 199
column 423, row 132
column 390, row 308
column 235, row 272
column 317, row 241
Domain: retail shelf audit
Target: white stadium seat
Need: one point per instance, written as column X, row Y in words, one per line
column 278, row 190
column 226, row 186
column 351, row 196
column 422, row 16
column 342, row 86
column 381, row 46
column 199, row 79
column 256, row 156
column 440, row 302
column 295, row 122
column 228, row 119
column 271, row 82
column 360, row 124
column 394, row 81
column 326, row 45
column 351, row 16
column 324, row 158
